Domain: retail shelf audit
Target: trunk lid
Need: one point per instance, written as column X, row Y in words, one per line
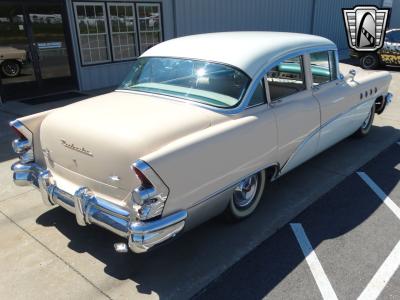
column 93, row 143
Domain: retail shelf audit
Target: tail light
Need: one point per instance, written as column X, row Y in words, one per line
column 152, row 193
column 23, row 144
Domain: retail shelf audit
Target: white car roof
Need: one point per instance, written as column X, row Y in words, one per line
column 246, row 50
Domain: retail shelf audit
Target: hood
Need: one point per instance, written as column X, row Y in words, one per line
column 93, row 143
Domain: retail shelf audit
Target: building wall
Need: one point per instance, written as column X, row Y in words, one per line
column 395, row 16
column 185, row 17
column 320, row 17
column 111, row 74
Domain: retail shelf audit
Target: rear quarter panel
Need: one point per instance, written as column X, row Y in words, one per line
column 207, row 162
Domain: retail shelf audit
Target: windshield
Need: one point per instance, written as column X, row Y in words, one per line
column 200, row 81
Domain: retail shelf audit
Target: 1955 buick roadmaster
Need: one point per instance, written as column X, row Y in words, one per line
column 199, row 127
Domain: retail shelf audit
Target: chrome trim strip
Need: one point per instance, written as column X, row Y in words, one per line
column 253, row 84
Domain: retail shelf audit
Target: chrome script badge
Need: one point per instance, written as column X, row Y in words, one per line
column 73, row 147
column 365, row 27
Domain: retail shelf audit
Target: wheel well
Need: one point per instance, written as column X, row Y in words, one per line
column 379, row 105
column 11, row 60
column 271, row 172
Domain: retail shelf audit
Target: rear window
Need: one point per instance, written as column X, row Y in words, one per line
column 199, row 81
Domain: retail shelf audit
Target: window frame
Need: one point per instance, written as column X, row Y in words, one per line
column 333, row 68
column 265, row 93
column 266, row 83
column 78, row 33
column 139, row 4
column 107, row 20
column 135, row 30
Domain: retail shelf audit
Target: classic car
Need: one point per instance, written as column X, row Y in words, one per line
column 389, row 54
column 199, row 128
column 11, row 60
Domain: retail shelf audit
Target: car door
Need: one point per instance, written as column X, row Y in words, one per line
column 296, row 110
column 338, row 119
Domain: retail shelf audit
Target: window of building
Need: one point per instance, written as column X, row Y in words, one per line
column 287, row 78
column 122, row 30
column 149, row 20
column 126, row 30
column 92, row 32
column 323, row 67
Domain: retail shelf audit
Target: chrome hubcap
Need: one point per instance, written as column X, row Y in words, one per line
column 246, row 191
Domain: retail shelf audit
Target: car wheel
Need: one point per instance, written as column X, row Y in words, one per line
column 369, row 61
column 245, row 197
column 367, row 124
column 11, row 68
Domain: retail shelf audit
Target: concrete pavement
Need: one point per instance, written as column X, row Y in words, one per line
column 45, row 246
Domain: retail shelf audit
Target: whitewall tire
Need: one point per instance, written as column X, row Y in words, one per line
column 246, row 197
column 367, row 124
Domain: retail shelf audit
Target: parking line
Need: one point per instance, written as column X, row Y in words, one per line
column 392, row 262
column 381, row 194
column 318, row 272
column 382, row 277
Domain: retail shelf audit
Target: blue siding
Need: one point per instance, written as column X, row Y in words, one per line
column 328, row 21
column 195, row 16
column 395, row 18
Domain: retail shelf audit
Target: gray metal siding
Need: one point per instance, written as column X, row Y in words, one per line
column 328, row 20
column 194, row 16
column 395, row 16
column 320, row 17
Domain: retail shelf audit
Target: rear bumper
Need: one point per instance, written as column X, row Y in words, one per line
column 89, row 209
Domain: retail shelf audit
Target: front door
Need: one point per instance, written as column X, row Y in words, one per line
column 34, row 52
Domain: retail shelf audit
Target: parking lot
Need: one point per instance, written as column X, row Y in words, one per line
column 352, row 234
column 323, row 210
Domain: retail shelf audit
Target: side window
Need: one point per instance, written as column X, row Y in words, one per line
column 258, row 96
column 323, row 67
column 286, row 79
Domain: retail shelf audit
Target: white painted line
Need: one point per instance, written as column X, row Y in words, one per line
column 381, row 194
column 382, row 277
column 318, row 272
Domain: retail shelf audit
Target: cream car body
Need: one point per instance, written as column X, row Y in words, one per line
column 194, row 154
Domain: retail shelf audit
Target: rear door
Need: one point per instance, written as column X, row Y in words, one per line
column 296, row 110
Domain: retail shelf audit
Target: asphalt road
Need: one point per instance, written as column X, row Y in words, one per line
column 44, row 254
column 351, row 231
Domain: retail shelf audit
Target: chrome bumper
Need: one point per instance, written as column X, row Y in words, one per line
column 90, row 209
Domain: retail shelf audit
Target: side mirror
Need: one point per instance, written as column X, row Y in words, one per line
column 350, row 76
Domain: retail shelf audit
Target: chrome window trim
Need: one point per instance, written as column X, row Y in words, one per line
column 305, row 81
column 335, row 60
column 252, row 86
